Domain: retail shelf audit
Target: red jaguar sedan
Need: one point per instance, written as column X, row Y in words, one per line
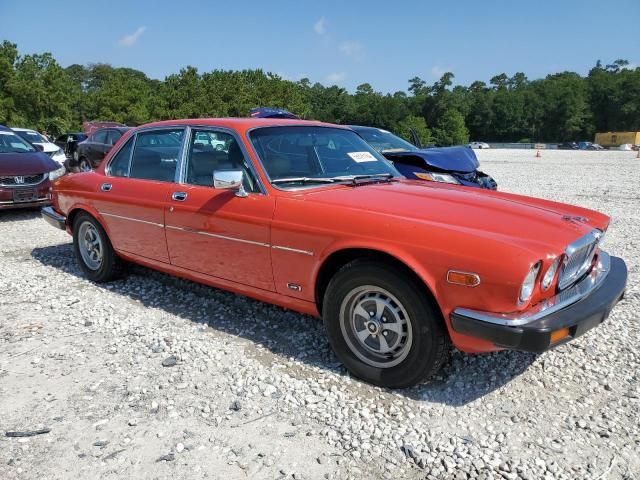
column 306, row 215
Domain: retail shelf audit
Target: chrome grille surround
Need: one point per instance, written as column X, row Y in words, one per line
column 27, row 180
column 578, row 258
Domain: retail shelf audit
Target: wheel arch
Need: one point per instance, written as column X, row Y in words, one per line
column 337, row 259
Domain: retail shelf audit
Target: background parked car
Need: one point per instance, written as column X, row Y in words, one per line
column 91, row 126
column 25, row 172
column 456, row 165
column 36, row 139
column 69, row 142
column 479, row 145
column 91, row 151
column 568, row 146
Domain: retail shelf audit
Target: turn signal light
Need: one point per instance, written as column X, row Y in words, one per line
column 559, row 335
column 463, row 278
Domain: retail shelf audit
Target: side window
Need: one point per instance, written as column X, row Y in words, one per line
column 155, row 155
column 210, row 151
column 113, row 136
column 99, row 137
column 119, row 166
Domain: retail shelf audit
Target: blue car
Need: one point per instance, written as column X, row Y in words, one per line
column 456, row 165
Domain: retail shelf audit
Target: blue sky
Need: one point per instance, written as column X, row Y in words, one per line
column 333, row 42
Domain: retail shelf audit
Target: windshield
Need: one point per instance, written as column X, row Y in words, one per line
column 294, row 155
column 12, row 143
column 33, row 137
column 384, row 141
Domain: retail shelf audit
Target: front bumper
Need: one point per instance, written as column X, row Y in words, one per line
column 554, row 321
column 36, row 196
column 53, row 218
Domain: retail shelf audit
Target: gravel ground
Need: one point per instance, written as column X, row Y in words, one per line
column 154, row 377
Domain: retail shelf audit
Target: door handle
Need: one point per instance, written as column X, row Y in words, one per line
column 106, row 187
column 179, row 196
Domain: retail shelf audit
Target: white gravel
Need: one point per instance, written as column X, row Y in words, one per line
column 253, row 391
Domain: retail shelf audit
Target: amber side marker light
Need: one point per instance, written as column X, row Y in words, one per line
column 559, row 335
column 465, row 279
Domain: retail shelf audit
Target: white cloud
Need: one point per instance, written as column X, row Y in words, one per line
column 437, row 71
column 320, row 27
column 336, row 77
column 131, row 39
column 352, row 49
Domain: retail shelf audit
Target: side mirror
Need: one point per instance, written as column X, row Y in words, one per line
column 38, row 147
column 230, row 180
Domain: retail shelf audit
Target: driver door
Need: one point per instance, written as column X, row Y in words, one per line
column 213, row 231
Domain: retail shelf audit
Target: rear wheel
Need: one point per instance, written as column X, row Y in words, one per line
column 94, row 251
column 383, row 326
column 84, row 165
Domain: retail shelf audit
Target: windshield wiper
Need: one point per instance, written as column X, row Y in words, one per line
column 303, row 180
column 354, row 179
column 359, row 179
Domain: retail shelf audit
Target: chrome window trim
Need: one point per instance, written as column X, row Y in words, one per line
column 311, row 124
column 240, row 143
column 107, row 169
column 134, row 136
column 121, row 217
column 546, row 307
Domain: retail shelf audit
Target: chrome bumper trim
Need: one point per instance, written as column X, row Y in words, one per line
column 546, row 307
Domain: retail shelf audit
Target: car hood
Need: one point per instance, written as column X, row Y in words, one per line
column 48, row 147
column 28, row 163
column 533, row 223
column 457, row 159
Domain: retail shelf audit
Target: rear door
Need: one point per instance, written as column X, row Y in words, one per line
column 137, row 190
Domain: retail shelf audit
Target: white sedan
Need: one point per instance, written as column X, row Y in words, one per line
column 478, row 145
column 51, row 149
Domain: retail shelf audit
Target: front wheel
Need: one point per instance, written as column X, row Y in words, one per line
column 94, row 251
column 383, row 326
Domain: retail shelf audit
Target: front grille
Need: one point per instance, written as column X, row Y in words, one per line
column 579, row 258
column 22, row 181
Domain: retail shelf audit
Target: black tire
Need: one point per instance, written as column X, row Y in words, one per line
column 111, row 266
column 429, row 345
column 84, row 165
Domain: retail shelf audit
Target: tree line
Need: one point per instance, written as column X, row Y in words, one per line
column 36, row 92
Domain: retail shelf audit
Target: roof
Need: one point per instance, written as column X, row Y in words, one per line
column 6, row 129
column 241, row 124
column 16, row 129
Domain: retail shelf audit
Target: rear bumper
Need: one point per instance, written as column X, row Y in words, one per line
column 53, row 218
column 557, row 320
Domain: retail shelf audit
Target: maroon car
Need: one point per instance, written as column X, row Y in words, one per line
column 25, row 172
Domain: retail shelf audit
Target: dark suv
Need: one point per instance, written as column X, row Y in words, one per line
column 90, row 152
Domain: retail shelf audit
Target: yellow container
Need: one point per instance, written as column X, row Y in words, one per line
column 615, row 139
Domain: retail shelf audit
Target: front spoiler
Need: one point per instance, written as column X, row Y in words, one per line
column 533, row 333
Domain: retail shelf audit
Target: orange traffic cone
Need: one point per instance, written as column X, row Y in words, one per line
column 538, row 154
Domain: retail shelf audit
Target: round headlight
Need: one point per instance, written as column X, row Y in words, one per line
column 529, row 283
column 550, row 274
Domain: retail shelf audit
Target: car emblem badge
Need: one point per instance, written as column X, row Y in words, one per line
column 576, row 219
column 19, row 180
